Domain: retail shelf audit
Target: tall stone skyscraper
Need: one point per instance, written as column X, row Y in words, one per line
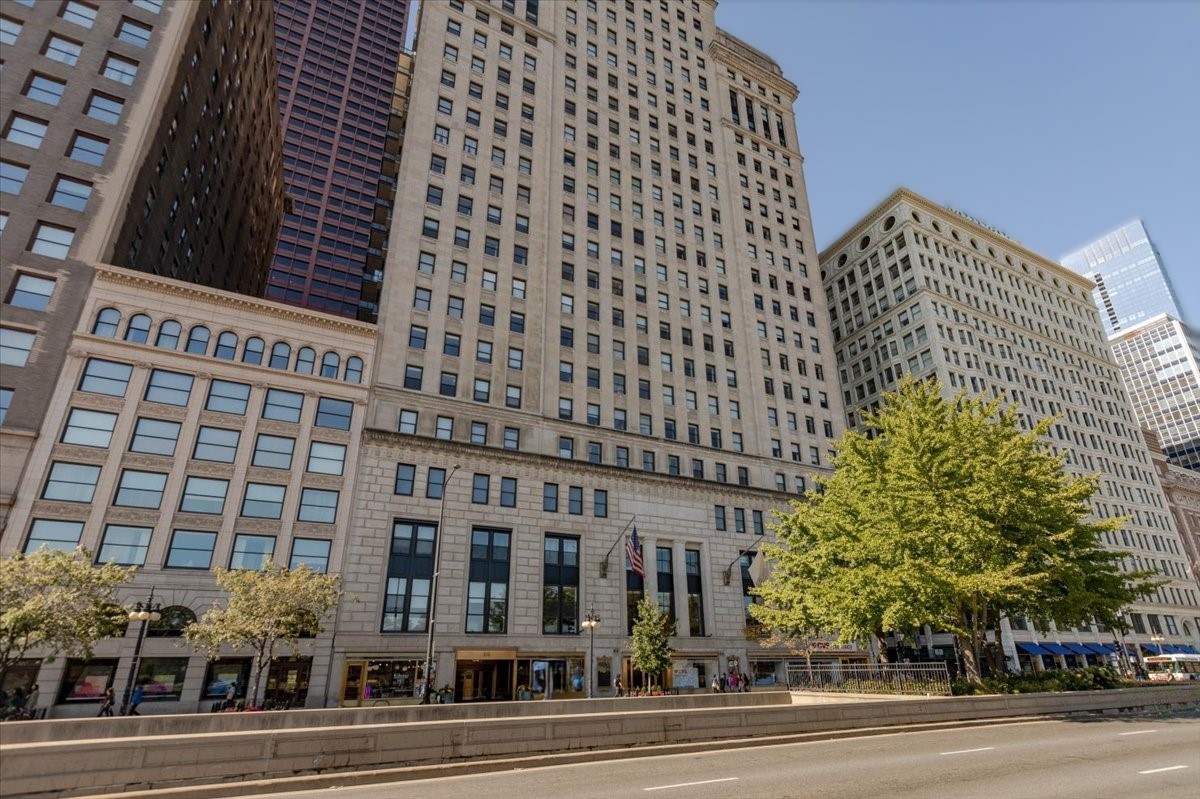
column 338, row 70
column 915, row 288
column 1132, row 285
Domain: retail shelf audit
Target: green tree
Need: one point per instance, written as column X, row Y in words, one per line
column 266, row 608
column 946, row 513
column 651, row 644
column 55, row 602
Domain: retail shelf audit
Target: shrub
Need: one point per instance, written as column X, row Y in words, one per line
column 1092, row 678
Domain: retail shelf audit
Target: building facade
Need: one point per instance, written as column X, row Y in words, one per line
column 193, row 428
column 1160, row 362
column 1182, row 487
column 915, row 288
column 1132, row 285
column 93, row 93
column 602, row 306
column 338, row 78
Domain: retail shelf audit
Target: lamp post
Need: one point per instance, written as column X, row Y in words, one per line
column 591, row 621
column 1157, row 639
column 433, row 586
column 145, row 612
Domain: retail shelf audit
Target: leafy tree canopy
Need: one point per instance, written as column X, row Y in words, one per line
column 651, row 644
column 947, row 514
column 54, row 602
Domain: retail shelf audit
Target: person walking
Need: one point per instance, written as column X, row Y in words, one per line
column 31, row 701
column 106, row 703
column 230, row 695
column 620, row 687
column 135, row 700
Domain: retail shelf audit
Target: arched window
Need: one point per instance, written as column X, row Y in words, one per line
column 197, row 342
column 174, row 619
column 226, row 346
column 306, row 360
column 168, row 335
column 281, row 355
column 354, row 367
column 107, row 322
column 331, row 364
column 254, row 351
column 138, row 329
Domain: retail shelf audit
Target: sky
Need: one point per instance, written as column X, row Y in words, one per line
column 1054, row 121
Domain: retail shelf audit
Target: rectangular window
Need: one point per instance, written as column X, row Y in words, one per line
column 88, row 149
column 15, row 346
column 89, row 428
column 508, row 492
column 227, row 397
column 53, row 534
column 191, row 549
column 318, row 505
column 204, row 495
column 26, row 131
column 105, row 377
column 695, row 593
column 52, row 241
column 560, row 585
column 169, row 388
column 406, row 476
column 310, row 552
column 263, row 501
column 575, row 500
column 479, row 489
column 487, row 588
column 81, row 14
column 122, row 70
column 326, row 458
column 134, row 33
column 719, row 517
column 63, row 50
column 139, row 489
column 550, row 497
column 251, row 551
column 334, row 413
column 12, row 177
column 45, row 89
column 104, row 108
column 282, row 406
column 124, row 545
column 273, row 452
column 410, row 571
column 665, row 581
column 71, row 482
column 600, row 503
column 70, row 193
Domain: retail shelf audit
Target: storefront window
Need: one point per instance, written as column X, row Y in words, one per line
column 162, row 678
column 225, row 672
column 287, row 683
column 383, row 680
column 22, row 674
column 86, row 680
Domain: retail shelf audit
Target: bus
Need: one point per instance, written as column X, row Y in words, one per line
column 1173, row 668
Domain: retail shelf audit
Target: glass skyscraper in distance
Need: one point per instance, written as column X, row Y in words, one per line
column 1131, row 282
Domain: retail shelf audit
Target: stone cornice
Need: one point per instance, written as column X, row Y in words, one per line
column 403, row 441
column 108, row 274
column 728, row 48
column 930, row 207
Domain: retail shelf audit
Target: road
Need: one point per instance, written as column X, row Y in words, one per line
column 1147, row 756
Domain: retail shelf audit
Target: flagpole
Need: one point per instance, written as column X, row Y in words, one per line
column 607, row 555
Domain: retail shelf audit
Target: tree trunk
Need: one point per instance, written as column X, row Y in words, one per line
column 970, row 658
column 881, row 645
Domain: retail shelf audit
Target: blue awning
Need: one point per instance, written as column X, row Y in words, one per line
column 1186, row 649
column 1057, row 649
column 1153, row 649
column 1079, row 649
column 1101, row 649
column 1031, row 649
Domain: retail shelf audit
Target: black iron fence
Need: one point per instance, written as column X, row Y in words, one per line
column 913, row 679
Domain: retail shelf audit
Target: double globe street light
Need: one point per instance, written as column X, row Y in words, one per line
column 591, row 621
column 145, row 612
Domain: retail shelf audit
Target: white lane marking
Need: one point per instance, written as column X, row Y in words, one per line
column 965, row 751
column 689, row 784
column 1157, row 770
column 1136, row 732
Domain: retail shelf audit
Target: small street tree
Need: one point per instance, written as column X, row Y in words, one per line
column 55, row 602
column 949, row 514
column 266, row 608
column 651, row 644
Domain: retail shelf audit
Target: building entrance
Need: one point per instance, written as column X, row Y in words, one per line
column 483, row 680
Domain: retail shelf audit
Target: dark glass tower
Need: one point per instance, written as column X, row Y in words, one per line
column 338, row 62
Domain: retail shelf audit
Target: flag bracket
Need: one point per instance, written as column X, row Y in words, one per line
column 607, row 555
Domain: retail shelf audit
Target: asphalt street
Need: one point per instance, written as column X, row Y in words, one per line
column 1142, row 757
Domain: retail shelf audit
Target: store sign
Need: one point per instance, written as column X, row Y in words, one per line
column 684, row 676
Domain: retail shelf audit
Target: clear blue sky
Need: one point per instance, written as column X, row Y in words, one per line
column 1053, row 121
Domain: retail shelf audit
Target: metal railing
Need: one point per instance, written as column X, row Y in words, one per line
column 914, row 679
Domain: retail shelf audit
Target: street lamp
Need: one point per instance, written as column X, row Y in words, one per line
column 433, row 586
column 591, row 621
column 145, row 612
column 1157, row 639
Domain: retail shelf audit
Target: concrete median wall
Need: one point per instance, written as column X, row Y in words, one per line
column 360, row 741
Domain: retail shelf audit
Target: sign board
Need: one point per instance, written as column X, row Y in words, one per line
column 684, row 676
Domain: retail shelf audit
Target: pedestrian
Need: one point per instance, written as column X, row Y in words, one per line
column 135, row 700
column 230, row 695
column 716, row 684
column 620, row 687
column 31, row 701
column 746, row 682
column 106, row 703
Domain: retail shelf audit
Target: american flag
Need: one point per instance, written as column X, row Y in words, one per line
column 633, row 551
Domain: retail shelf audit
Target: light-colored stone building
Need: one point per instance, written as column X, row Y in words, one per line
column 602, row 304
column 193, row 428
column 1182, row 489
column 916, row 288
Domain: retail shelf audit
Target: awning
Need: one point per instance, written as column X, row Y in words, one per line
column 1153, row 649
column 1079, row 649
column 1031, row 649
column 1057, row 649
column 1101, row 649
column 1186, row 649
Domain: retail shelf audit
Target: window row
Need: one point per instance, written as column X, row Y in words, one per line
column 226, row 346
